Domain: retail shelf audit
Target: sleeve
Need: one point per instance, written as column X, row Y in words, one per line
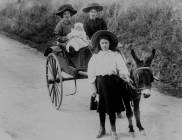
column 92, row 69
column 87, row 30
column 59, row 33
column 104, row 25
column 121, row 66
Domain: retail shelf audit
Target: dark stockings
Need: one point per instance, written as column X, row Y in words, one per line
column 112, row 117
column 102, row 116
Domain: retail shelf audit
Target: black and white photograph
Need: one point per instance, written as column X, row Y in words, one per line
column 90, row 70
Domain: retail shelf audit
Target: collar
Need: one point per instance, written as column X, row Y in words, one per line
column 66, row 22
column 93, row 19
column 105, row 52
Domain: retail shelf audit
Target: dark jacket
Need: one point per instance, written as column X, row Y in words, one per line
column 62, row 29
column 91, row 26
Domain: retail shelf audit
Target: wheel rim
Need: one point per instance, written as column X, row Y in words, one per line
column 54, row 80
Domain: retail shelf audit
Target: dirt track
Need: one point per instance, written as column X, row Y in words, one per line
column 27, row 114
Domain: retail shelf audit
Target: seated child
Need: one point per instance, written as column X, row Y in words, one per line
column 77, row 39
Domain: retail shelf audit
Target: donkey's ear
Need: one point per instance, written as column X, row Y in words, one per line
column 137, row 60
column 151, row 57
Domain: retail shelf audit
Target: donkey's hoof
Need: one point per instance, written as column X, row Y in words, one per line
column 132, row 134
column 142, row 132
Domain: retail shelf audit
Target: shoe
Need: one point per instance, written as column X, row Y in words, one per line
column 114, row 135
column 102, row 131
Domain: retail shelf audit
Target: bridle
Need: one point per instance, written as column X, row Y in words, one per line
column 136, row 77
column 141, row 68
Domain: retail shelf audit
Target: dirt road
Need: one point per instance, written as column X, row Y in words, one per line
column 27, row 114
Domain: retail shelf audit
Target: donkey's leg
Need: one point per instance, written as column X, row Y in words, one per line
column 129, row 115
column 136, row 103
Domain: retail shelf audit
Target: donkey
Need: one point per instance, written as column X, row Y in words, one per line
column 142, row 77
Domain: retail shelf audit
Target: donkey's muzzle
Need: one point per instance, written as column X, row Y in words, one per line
column 146, row 93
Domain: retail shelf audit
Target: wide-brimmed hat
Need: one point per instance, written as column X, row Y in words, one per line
column 91, row 6
column 65, row 7
column 112, row 37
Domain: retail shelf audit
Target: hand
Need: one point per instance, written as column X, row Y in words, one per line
column 97, row 98
column 69, row 37
column 90, row 45
column 64, row 38
column 126, row 78
column 94, row 94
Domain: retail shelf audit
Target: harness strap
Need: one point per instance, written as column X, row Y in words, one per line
column 141, row 68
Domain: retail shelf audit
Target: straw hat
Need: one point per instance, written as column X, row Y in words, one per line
column 91, row 6
column 113, row 38
column 66, row 7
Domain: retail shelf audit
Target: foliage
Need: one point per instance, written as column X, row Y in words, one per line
column 141, row 27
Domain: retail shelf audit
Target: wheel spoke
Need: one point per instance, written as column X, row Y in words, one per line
column 52, row 66
column 50, row 69
column 55, row 70
column 51, row 60
column 49, row 78
column 57, row 92
column 51, row 90
column 55, row 95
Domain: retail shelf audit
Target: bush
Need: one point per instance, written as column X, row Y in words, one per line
column 142, row 27
column 35, row 24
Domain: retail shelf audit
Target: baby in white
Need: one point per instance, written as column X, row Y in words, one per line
column 77, row 38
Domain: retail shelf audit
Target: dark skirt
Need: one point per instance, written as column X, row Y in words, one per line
column 110, row 94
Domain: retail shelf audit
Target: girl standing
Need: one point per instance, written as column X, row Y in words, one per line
column 104, row 67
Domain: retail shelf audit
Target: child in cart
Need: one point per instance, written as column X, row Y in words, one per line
column 77, row 39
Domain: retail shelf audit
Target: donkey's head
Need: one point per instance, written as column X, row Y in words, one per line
column 142, row 75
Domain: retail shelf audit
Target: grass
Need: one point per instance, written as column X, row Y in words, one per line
column 142, row 24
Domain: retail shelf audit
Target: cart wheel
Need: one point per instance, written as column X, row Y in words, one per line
column 54, row 80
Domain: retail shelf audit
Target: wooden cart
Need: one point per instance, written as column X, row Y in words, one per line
column 58, row 61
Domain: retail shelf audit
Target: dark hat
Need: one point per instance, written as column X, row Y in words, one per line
column 91, row 6
column 113, row 38
column 65, row 7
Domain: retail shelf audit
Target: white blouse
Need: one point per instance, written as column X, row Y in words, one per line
column 106, row 63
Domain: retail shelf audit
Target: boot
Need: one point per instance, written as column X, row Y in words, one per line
column 102, row 131
column 113, row 133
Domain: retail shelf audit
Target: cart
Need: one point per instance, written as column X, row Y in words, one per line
column 59, row 61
